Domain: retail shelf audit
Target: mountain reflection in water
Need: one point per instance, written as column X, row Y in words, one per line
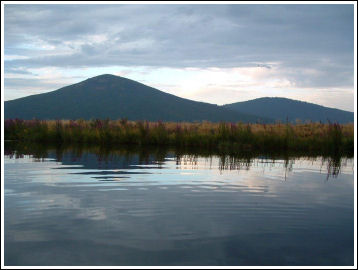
column 158, row 206
column 127, row 157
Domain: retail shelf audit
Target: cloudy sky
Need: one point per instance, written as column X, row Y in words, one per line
column 213, row 53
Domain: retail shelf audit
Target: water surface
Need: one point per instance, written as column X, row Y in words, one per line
column 120, row 208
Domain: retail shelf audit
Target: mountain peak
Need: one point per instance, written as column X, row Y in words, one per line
column 109, row 79
column 103, row 81
column 106, row 76
column 103, row 77
column 284, row 109
column 109, row 96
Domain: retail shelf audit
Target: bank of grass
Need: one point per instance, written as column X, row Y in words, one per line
column 222, row 137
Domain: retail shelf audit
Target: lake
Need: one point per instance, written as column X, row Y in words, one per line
column 89, row 207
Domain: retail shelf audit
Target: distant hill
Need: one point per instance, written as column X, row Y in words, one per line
column 284, row 108
column 113, row 97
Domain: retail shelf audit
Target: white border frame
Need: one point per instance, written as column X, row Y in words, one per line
column 3, row 3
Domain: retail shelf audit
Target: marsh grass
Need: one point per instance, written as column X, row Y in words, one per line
column 230, row 138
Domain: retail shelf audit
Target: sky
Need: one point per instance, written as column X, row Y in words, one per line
column 212, row 53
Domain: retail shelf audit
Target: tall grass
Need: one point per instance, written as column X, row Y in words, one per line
column 223, row 137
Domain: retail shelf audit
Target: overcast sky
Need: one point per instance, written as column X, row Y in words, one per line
column 213, row 53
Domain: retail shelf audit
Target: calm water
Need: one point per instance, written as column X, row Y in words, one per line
column 87, row 208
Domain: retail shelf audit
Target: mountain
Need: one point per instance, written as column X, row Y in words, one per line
column 113, row 97
column 284, row 108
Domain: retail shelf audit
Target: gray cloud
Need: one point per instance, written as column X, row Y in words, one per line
column 33, row 85
column 295, row 37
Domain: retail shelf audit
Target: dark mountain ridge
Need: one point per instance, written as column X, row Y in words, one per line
column 113, row 97
column 284, row 109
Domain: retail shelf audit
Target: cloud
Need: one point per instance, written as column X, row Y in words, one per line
column 311, row 45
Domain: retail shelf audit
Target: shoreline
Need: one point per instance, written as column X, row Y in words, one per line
column 223, row 137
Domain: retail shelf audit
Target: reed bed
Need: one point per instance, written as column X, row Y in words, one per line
column 222, row 137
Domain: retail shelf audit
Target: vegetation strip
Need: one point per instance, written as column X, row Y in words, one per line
column 223, row 137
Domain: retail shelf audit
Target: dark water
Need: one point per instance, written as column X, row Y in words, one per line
column 120, row 208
